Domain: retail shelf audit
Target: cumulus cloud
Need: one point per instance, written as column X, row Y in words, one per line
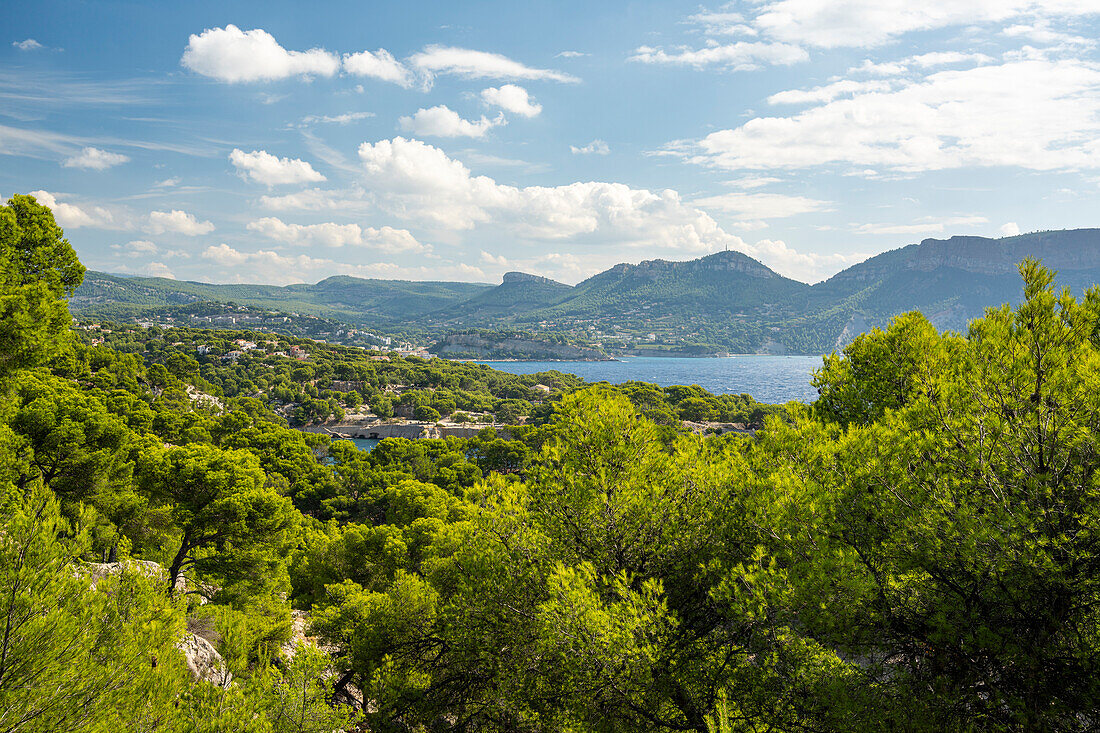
column 232, row 55
column 511, row 98
column 948, row 119
column 95, row 159
column 1009, row 229
column 419, row 182
column 71, row 216
column 739, row 56
column 442, row 121
column 808, row 267
column 569, row 54
column 596, row 147
column 381, row 65
column 263, row 167
column 28, row 44
column 465, row 62
column 330, row 234
column 177, row 221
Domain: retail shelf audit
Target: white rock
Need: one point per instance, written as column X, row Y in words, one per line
column 203, row 660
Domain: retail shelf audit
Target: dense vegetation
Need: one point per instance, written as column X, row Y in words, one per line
column 917, row 550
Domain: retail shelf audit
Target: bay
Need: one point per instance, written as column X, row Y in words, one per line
column 366, row 444
column 773, row 379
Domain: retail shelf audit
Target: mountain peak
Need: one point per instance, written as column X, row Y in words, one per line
column 523, row 277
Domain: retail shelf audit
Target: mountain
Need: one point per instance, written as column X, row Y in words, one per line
column 518, row 293
column 721, row 282
column 354, row 300
column 953, row 281
column 726, row 301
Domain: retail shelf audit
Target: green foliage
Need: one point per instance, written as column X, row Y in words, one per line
column 231, row 525
column 74, row 657
column 38, row 269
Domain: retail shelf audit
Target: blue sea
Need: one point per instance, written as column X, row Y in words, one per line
column 773, row 379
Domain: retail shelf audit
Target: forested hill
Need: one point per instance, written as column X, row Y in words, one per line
column 722, row 302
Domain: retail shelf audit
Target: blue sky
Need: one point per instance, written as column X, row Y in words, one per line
column 286, row 142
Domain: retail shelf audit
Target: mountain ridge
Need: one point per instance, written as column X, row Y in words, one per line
column 724, row 301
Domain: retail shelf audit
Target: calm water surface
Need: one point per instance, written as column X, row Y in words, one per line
column 366, row 444
column 766, row 378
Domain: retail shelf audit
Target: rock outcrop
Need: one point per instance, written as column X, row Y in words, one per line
column 203, row 660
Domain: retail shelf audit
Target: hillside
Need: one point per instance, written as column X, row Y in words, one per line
column 517, row 293
column 354, row 300
column 952, row 281
column 726, row 301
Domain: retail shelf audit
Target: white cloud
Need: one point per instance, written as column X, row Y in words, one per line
column 70, row 216
column 95, row 159
column 27, row 45
column 762, row 205
column 596, row 147
column 867, row 23
column 316, row 199
column 740, row 56
column 330, row 234
column 752, row 182
column 829, row 92
column 808, row 267
column 149, row 269
column 722, row 23
column 341, row 119
column 232, row 55
column 1041, row 31
column 419, row 182
column 472, row 64
column 1010, row 229
column 495, row 260
column 949, row 119
column 272, row 267
column 924, row 225
column 379, row 64
column 180, row 222
column 263, row 167
column 442, row 121
column 140, row 246
column 947, row 58
column 919, row 63
column 569, row 55
column 167, row 182
column 511, row 98
column 159, row 269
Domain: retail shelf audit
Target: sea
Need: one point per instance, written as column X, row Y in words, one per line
column 773, row 379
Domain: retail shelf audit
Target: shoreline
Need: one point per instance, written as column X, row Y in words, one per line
column 624, row 357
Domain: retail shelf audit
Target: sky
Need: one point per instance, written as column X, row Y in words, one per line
column 272, row 142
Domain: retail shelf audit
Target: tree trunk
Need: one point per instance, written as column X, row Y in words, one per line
column 177, row 563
